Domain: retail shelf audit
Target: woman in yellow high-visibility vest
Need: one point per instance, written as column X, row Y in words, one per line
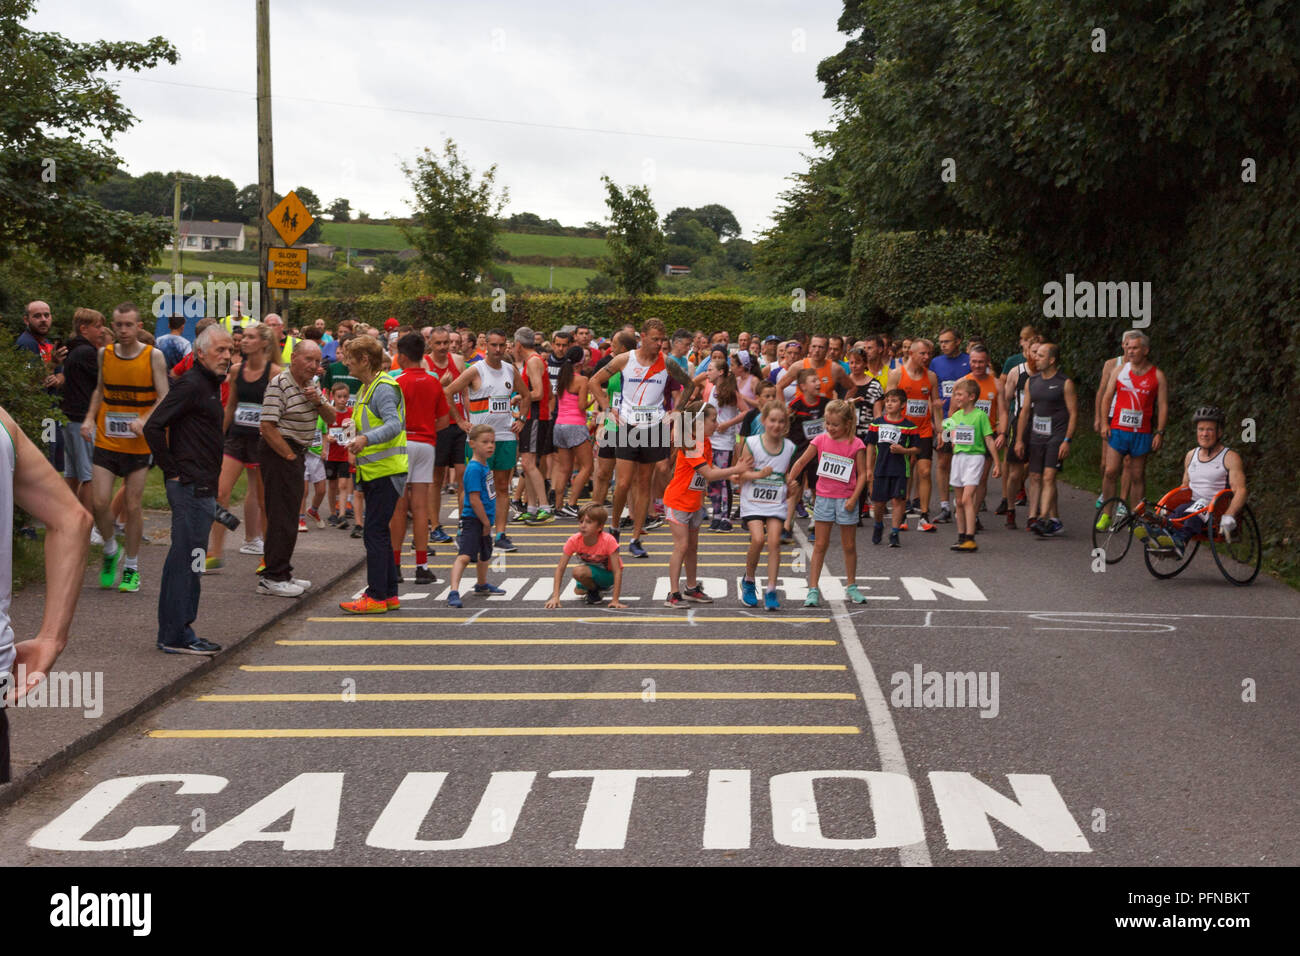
column 380, row 450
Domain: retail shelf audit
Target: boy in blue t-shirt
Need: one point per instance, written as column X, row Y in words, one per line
column 474, row 543
column 891, row 444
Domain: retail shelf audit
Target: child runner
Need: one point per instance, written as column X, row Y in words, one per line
column 684, row 498
column 841, row 478
column 752, row 423
column 807, row 421
column 598, row 565
column 313, row 477
column 762, row 501
column 970, row 434
column 725, row 399
column 336, row 453
column 477, row 517
column 891, row 445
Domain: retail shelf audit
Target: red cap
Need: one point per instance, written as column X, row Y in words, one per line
column 391, row 323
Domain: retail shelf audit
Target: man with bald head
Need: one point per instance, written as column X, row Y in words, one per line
column 284, row 344
column 290, row 407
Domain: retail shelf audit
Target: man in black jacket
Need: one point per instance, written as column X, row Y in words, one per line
column 185, row 435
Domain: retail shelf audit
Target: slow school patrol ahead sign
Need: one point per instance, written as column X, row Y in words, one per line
column 286, row 268
column 291, row 218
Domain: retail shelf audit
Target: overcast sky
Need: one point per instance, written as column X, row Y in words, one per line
column 728, row 91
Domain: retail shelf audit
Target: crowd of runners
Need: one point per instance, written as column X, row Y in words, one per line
column 464, row 434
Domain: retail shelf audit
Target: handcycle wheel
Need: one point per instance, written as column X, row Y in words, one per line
column 1240, row 558
column 1114, row 542
column 1167, row 564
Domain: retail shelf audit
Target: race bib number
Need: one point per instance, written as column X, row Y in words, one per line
column 697, row 482
column 1042, row 425
column 834, row 466
column 499, row 405
column 1198, row 504
column 118, row 424
column 336, row 436
column 917, row 407
column 767, row 490
column 617, row 400
column 813, row 427
column 352, row 401
column 643, row 414
column 946, row 388
column 248, row 414
column 985, row 406
column 963, row 435
column 1130, row 418
column 889, row 435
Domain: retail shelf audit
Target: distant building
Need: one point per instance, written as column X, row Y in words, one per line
column 366, row 265
column 321, row 250
column 677, row 270
column 211, row 237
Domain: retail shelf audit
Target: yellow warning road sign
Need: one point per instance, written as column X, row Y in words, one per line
column 286, row 268
column 291, row 218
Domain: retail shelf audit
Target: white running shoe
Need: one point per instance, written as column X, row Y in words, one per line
column 302, row 583
column 256, row 546
column 95, row 536
column 278, row 588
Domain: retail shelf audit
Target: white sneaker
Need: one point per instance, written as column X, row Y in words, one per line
column 95, row 536
column 278, row 588
column 256, row 546
column 302, row 583
column 119, row 527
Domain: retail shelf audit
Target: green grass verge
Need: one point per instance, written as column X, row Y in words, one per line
column 155, row 495
column 29, row 560
column 566, row 277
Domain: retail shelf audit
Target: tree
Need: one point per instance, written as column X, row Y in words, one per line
column 249, row 203
column 718, row 219
column 57, row 115
column 339, row 210
column 810, row 244
column 313, row 204
column 635, row 243
column 454, row 227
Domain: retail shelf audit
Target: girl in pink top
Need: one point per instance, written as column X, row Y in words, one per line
column 571, row 437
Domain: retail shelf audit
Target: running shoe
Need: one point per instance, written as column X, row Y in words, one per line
column 653, row 522
column 924, row 524
column 944, row 516
column 453, row 600
column 714, row 523
column 724, row 526
column 675, row 600
column 636, row 550
column 697, row 595
column 108, row 569
column 893, row 540
column 287, row 589
column 302, row 583
column 771, row 602
column 1051, row 528
column 95, row 536
column 1097, row 505
column 1011, row 519
column 394, row 603
column 333, row 520
column 854, row 595
column 625, row 522
column 814, row 598
column 800, row 510
column 1020, row 497
column 967, row 545
column 1163, row 538
column 914, row 506
column 488, row 588
column 748, row 593
column 364, row 605
column 614, row 533
column 358, row 531
column 198, row 647
column 1140, row 531
column 787, row 536
column 425, row 576
column 1103, row 522
column 213, row 564
column 1002, row 506
column 877, row 532
column 261, row 566
column 541, row 516
column 302, row 523
column 438, row 536
column 568, row 511
column 314, row 515
column 594, row 598
column 400, row 579
column 255, row 546
column 449, row 489
column 130, row 580
column 526, row 517
column 503, row 543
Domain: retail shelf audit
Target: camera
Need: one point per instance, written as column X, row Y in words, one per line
column 224, row 517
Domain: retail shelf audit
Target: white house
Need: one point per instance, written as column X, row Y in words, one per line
column 211, row 237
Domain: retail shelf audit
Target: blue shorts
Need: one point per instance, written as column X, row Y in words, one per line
column 77, row 453
column 472, row 541
column 834, row 509
column 1136, row 444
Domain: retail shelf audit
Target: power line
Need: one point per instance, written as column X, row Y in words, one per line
column 476, row 119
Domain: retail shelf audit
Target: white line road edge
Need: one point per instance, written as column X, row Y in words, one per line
column 888, row 745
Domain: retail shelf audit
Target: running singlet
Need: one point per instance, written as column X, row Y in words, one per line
column 540, row 409
column 1207, row 478
column 1049, row 416
column 918, row 401
column 248, row 402
column 1135, row 399
column 643, row 389
column 987, row 402
column 442, row 372
column 948, row 371
column 766, row 496
column 825, row 377
column 128, row 393
column 489, row 403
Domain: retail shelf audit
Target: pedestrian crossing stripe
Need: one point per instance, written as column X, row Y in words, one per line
column 236, row 733
column 549, row 642
column 336, row 697
column 602, row 666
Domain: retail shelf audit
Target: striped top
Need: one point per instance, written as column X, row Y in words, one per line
column 287, row 406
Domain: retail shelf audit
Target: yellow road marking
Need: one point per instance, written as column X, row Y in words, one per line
column 310, row 668
column 299, row 732
column 337, row 697
column 548, row 641
column 397, row 617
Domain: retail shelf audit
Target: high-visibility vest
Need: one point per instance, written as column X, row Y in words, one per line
column 384, row 458
column 287, row 352
column 228, row 323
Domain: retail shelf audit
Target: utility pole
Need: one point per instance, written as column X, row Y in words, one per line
column 265, row 165
column 176, row 230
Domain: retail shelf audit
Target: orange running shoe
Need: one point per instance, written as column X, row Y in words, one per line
column 364, row 605
column 393, row 603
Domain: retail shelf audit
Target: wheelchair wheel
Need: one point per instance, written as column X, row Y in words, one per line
column 1166, row 564
column 1115, row 540
column 1240, row 558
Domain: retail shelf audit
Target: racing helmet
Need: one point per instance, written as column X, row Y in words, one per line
column 1209, row 413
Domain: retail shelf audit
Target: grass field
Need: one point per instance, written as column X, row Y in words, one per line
column 199, row 268
column 360, row 236
column 517, row 244
column 538, row 276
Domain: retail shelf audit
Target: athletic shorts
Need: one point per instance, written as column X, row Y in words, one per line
column 450, row 447
column 644, row 446
column 337, row 470
column 472, row 540
column 601, row 576
column 1012, row 457
column 968, row 469
column 764, row 519
column 1046, row 455
column 77, row 453
column 834, row 509
column 535, row 437
column 419, row 462
column 691, row 519
column 242, row 448
column 313, row 468
column 605, row 447
column 504, row 458
column 885, row 488
column 570, row 436
column 120, row 463
column 926, row 448
column 1135, row 444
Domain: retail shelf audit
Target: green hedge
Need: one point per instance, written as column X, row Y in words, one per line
column 892, row 273
column 997, row 323
column 21, row 393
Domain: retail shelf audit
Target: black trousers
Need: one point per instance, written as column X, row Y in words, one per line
column 282, row 485
column 381, row 573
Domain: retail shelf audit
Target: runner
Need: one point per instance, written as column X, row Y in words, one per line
column 313, row 483
column 842, row 478
column 607, row 433
column 684, row 499
column 830, row 374
column 642, row 436
column 571, row 438
column 80, row 374
column 337, row 470
column 491, row 384
column 132, row 381
column 726, row 399
column 537, row 432
column 970, row 435
column 1142, row 392
column 449, row 450
column 762, row 501
column 599, row 565
column 1048, row 417
column 482, row 486
column 923, row 407
column 1013, row 392
column 1099, row 419
column 950, row 365
column 891, row 448
column 992, row 404
column 807, row 421
column 1028, row 336
column 427, row 414
column 877, row 365
column 866, row 395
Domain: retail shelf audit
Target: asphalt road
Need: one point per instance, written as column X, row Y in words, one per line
column 1116, row 720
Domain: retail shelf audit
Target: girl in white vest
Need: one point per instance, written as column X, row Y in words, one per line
column 763, row 501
